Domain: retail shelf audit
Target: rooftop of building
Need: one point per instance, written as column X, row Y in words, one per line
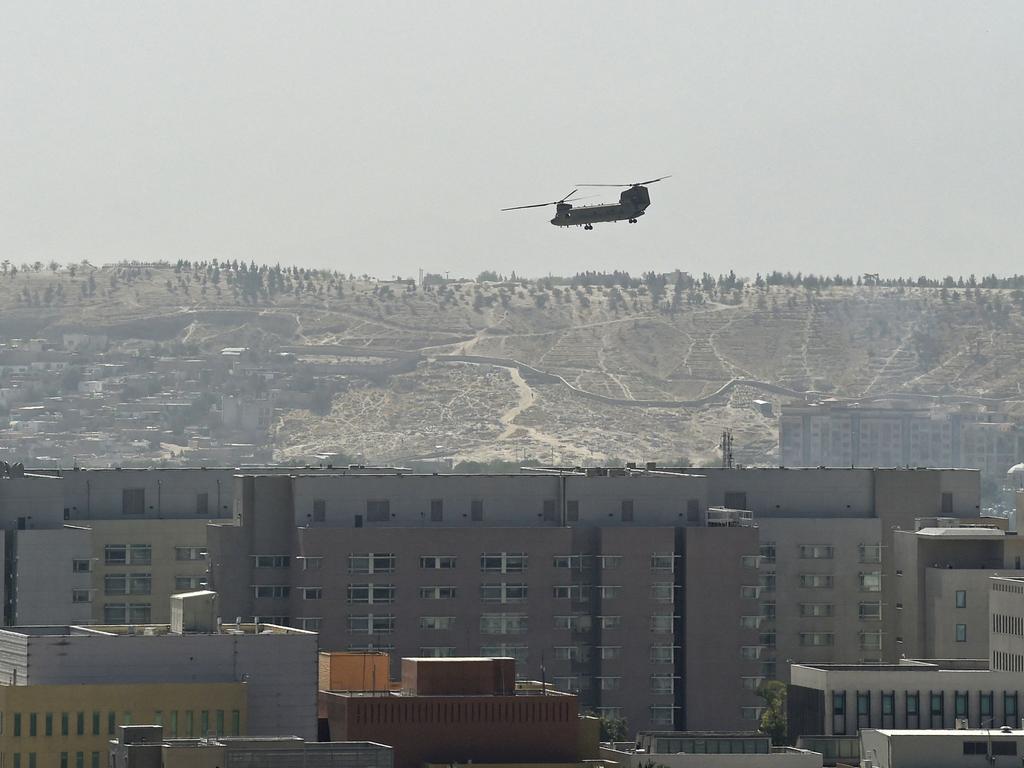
column 146, row 630
column 903, row 666
column 978, row 733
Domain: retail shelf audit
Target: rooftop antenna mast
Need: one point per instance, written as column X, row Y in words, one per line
column 726, row 447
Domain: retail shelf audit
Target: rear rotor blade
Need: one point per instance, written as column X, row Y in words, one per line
column 634, row 184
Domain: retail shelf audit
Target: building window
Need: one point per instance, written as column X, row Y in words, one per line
column 189, row 553
column 607, row 652
column 503, row 562
column 437, row 562
column 549, row 511
column 839, row 703
column 985, row 702
column 768, row 552
column 271, row 591
column 319, row 510
column 503, row 593
column 572, row 511
column 961, row 598
column 816, row 552
column 626, row 511
column 609, row 562
column 610, row 622
column 663, row 592
column 577, row 592
column 1004, row 748
column 310, row 623
column 570, row 653
column 609, row 591
column 888, row 704
column 272, row 561
column 814, row 639
column 436, row 510
column 133, row 501
column 662, row 622
column 189, row 583
column 311, row 563
column 816, row 580
column 766, row 581
column 870, row 581
column 312, row 593
column 573, row 562
column 372, row 563
column 139, row 613
column 662, row 654
column 961, row 633
column 503, row 624
column 863, row 704
column 871, row 641
column 735, row 500
column 202, row 503
column 609, row 683
column 768, row 639
column 693, row 511
column 577, row 622
column 870, row 553
column 81, row 566
column 870, row 611
column 436, row 622
column 476, row 510
column 371, row 625
column 81, row 595
column 370, row 593
column 663, row 563
column 378, row 510
column 438, row 593
column 960, row 704
column 768, row 610
column 975, row 748
column 816, row 610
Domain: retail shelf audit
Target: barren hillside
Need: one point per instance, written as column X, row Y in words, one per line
column 503, row 370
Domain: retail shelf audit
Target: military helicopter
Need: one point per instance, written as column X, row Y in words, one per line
column 631, row 206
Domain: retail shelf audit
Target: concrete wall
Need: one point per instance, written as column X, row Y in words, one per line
column 280, row 670
column 711, row 636
column 46, row 580
column 37, row 500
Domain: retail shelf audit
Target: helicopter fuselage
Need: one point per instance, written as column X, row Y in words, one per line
column 632, row 204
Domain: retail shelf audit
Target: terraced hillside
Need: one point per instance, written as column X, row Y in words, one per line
column 557, row 372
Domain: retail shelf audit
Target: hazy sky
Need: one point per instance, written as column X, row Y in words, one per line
column 383, row 137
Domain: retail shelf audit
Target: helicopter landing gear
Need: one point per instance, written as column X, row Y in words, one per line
column 632, row 221
column 588, row 226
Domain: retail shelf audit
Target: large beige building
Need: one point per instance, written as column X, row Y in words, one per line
column 646, row 590
column 846, row 435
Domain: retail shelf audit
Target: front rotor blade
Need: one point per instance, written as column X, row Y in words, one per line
column 660, row 178
column 569, row 195
column 535, row 205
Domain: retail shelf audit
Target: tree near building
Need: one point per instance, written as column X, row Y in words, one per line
column 773, row 720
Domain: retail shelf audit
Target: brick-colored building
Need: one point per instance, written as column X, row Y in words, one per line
column 462, row 710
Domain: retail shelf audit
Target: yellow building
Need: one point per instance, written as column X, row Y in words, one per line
column 70, row 726
column 138, row 564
